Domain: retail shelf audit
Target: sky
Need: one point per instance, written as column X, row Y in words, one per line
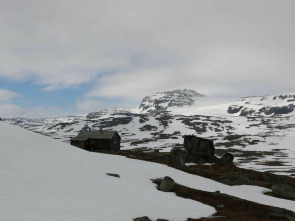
column 67, row 57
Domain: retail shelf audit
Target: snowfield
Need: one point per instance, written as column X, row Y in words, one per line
column 45, row 179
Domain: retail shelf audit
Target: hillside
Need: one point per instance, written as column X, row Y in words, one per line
column 45, row 179
column 259, row 131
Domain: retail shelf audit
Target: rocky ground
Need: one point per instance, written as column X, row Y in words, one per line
column 228, row 207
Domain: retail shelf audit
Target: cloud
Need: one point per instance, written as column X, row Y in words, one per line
column 7, row 109
column 132, row 48
column 87, row 105
column 10, row 110
column 7, row 95
column 227, row 74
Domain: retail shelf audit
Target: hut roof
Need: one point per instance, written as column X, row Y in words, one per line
column 96, row 134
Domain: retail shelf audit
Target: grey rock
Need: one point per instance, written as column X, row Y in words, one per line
column 144, row 218
column 167, row 184
column 162, row 220
column 283, row 191
column 216, row 193
column 176, row 155
column 113, row 174
column 198, row 150
column 227, row 159
column 132, row 156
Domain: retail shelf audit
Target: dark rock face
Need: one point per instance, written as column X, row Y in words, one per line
column 246, row 112
column 234, row 109
column 197, row 148
column 167, row 184
column 144, row 218
column 148, row 127
column 279, row 110
column 116, row 121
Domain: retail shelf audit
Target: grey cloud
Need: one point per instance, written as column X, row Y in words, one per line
column 7, row 95
column 220, row 48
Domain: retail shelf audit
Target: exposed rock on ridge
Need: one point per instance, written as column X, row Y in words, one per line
column 161, row 101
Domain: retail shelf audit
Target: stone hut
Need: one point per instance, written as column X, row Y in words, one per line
column 97, row 140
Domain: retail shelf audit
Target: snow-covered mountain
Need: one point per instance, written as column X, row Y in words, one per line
column 162, row 101
column 259, row 131
column 264, row 105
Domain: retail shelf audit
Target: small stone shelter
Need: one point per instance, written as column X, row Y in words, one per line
column 97, row 140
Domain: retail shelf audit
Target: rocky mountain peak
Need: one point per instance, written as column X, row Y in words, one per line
column 161, row 101
column 264, row 105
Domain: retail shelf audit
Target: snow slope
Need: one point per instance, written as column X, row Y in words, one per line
column 44, row 179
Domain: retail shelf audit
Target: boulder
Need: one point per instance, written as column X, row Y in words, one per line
column 176, row 155
column 113, row 174
column 283, row 191
column 227, row 158
column 167, row 184
column 199, row 146
column 131, row 156
column 198, row 150
column 144, row 218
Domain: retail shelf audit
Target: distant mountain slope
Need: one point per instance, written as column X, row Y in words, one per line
column 161, row 101
column 264, row 105
column 238, row 127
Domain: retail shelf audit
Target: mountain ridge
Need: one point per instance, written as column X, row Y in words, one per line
column 254, row 131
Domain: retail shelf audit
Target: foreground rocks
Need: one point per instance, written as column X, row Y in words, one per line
column 167, row 184
column 199, row 151
column 227, row 207
column 283, row 191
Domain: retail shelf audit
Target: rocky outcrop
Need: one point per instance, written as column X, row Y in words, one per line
column 233, row 109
